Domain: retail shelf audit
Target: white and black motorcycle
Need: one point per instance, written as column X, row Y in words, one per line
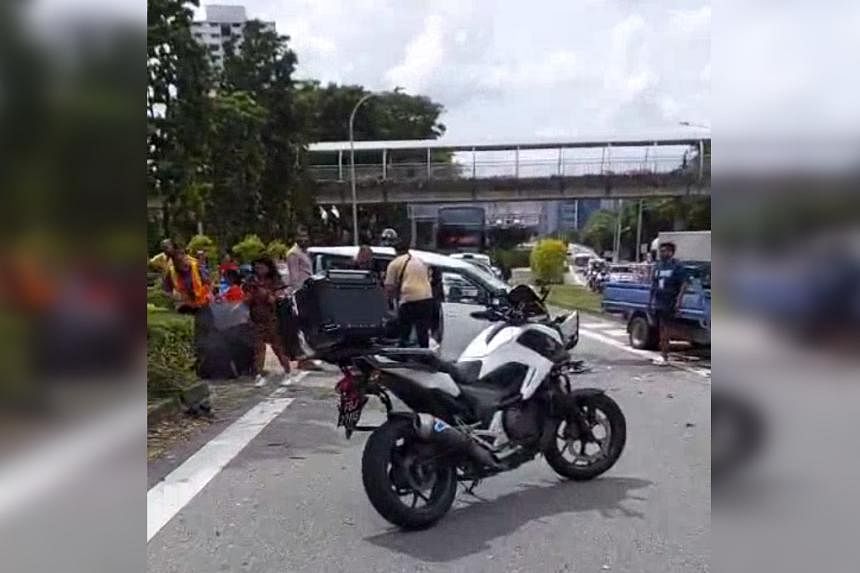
column 508, row 398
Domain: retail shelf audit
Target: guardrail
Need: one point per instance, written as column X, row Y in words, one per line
column 516, row 169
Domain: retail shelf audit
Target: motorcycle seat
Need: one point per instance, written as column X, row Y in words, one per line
column 463, row 373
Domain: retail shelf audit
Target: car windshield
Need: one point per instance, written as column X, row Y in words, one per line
column 491, row 280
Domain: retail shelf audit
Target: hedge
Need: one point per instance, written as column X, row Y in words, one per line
column 249, row 249
column 156, row 296
column 507, row 259
column 170, row 357
column 549, row 261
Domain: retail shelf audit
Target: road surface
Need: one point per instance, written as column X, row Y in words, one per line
column 292, row 499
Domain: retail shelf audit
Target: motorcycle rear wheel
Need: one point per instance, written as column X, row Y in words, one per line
column 402, row 489
column 600, row 411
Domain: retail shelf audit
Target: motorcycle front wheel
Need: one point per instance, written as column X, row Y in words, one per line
column 581, row 458
column 407, row 490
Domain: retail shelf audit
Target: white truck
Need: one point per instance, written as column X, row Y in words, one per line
column 689, row 245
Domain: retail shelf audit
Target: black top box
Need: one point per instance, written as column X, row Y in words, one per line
column 341, row 306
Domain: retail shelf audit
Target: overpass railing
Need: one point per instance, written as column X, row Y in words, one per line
column 516, row 169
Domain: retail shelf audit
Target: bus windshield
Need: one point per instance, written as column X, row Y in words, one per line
column 460, row 228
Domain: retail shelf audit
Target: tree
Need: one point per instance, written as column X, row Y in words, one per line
column 599, row 231
column 177, row 110
column 235, row 204
column 263, row 68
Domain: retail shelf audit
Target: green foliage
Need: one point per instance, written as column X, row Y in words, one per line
column 226, row 147
column 575, row 297
column 156, row 296
column 507, row 259
column 250, row 248
column 263, row 68
column 205, row 244
column 236, row 202
column 599, row 231
column 277, row 249
column 177, row 110
column 170, row 355
column 549, row 261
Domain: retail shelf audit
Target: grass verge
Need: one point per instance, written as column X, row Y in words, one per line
column 575, row 297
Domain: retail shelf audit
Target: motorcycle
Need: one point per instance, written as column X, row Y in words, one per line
column 508, row 398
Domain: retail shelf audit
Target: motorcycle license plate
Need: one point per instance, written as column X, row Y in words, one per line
column 349, row 411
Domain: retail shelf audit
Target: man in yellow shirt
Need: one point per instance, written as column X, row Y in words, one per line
column 407, row 282
column 161, row 260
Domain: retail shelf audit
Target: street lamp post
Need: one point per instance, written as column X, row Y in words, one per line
column 691, row 124
column 352, row 167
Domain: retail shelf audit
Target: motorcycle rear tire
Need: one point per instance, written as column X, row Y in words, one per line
column 617, row 439
column 375, row 474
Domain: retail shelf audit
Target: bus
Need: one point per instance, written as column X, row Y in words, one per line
column 461, row 229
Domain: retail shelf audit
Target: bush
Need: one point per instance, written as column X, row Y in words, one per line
column 549, row 261
column 170, row 356
column 507, row 259
column 250, row 248
column 277, row 249
column 156, row 296
column 205, row 244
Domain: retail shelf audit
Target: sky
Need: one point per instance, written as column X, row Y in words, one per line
column 541, row 69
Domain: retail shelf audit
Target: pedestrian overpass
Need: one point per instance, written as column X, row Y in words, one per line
column 431, row 171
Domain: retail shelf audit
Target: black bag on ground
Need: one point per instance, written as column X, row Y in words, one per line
column 340, row 306
column 224, row 340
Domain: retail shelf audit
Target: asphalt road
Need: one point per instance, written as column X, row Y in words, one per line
column 292, row 499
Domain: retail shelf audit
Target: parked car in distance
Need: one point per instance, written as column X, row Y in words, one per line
column 621, row 274
column 481, row 261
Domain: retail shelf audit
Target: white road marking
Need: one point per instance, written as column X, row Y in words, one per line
column 622, row 332
column 169, row 496
column 598, row 325
column 649, row 354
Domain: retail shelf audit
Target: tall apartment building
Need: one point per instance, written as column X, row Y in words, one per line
column 222, row 24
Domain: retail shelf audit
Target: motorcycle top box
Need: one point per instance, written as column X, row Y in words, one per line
column 339, row 306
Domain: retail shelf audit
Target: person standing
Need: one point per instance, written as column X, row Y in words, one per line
column 299, row 269
column 162, row 259
column 363, row 259
column 187, row 282
column 407, row 283
column 668, row 282
column 262, row 291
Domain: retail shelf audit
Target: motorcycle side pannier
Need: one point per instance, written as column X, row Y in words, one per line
column 340, row 306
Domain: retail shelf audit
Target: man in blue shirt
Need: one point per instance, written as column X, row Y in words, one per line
column 668, row 282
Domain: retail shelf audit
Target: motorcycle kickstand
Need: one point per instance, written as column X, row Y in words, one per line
column 470, row 489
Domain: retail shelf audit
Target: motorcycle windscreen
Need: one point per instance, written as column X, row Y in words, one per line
column 570, row 327
column 529, row 299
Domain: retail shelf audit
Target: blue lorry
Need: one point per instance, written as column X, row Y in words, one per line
column 633, row 301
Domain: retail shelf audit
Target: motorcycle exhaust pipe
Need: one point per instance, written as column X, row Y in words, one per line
column 436, row 431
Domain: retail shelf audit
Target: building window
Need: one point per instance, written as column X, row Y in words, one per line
column 225, row 30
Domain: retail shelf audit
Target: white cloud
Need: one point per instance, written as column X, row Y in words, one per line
column 504, row 70
column 696, row 20
column 422, row 58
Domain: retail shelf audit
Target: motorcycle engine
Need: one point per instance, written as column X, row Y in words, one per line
column 522, row 423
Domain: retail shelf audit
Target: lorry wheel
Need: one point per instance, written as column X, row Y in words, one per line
column 643, row 336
